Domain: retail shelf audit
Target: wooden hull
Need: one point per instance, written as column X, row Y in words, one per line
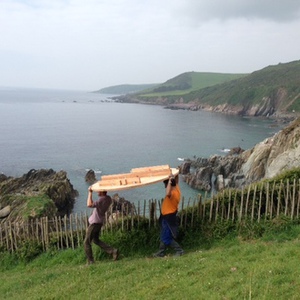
column 138, row 177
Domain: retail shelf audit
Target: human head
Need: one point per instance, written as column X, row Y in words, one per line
column 102, row 193
column 173, row 182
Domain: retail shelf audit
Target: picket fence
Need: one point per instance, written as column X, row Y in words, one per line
column 257, row 202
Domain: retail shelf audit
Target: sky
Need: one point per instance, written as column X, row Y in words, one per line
column 91, row 44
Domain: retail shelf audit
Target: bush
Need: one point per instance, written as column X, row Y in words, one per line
column 29, row 250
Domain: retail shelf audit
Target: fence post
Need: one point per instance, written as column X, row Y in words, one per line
column 234, row 205
column 185, row 219
column 259, row 206
column 242, row 203
column 267, row 200
column 217, row 208
column 182, row 210
column 71, row 230
column 6, row 235
column 223, row 206
column 11, row 236
column 279, row 196
column 152, row 208
column 200, row 208
column 42, row 233
column 287, row 197
column 293, row 199
column 138, row 216
column 298, row 202
column 122, row 216
column 247, row 199
column 77, row 229
column 46, row 233
column 204, row 207
column 192, row 220
column 144, row 210
column 272, row 201
column 229, row 205
column 211, row 209
column 253, row 202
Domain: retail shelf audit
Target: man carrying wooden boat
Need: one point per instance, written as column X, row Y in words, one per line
column 96, row 221
column 168, row 218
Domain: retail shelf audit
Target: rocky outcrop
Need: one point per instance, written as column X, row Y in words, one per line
column 5, row 211
column 90, row 177
column 266, row 160
column 40, row 185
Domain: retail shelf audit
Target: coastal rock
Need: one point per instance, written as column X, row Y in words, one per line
column 185, row 167
column 4, row 212
column 90, row 177
column 39, row 184
column 266, row 160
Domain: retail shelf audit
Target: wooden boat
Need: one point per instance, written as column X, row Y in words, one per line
column 137, row 177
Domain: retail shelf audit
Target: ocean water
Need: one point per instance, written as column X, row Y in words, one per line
column 77, row 131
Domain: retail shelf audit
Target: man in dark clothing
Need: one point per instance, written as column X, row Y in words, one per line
column 96, row 221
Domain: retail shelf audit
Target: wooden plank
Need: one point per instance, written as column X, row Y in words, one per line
column 151, row 169
column 118, row 176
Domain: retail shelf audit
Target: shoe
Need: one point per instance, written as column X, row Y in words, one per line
column 158, row 254
column 179, row 253
column 90, row 262
column 115, row 254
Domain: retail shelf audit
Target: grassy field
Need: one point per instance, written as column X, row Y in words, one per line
column 188, row 82
column 265, row 268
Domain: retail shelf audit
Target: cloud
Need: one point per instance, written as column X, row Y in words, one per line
column 96, row 43
column 276, row 11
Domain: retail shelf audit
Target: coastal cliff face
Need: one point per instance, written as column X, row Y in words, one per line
column 266, row 160
column 38, row 193
column 268, row 106
column 274, row 106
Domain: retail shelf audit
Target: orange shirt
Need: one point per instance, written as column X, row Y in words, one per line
column 170, row 204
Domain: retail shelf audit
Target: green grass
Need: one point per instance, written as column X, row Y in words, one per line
column 278, row 82
column 231, row 268
column 188, row 82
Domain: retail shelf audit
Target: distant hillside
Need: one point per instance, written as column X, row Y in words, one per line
column 188, row 82
column 270, row 91
column 125, row 89
column 272, row 88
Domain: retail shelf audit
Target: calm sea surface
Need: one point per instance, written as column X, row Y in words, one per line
column 78, row 131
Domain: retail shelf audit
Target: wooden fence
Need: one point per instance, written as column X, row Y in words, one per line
column 257, row 202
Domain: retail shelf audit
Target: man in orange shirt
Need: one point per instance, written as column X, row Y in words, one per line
column 168, row 218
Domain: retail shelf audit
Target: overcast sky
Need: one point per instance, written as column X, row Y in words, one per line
column 91, row 44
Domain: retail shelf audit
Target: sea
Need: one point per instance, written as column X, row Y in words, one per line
column 77, row 131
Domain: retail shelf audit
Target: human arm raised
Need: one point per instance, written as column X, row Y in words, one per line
column 89, row 201
column 169, row 187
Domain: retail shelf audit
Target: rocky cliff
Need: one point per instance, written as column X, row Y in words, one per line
column 267, row 159
column 37, row 193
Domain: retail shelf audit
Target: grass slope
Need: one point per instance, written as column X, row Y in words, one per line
column 266, row 268
column 250, row 90
column 125, row 89
column 187, row 82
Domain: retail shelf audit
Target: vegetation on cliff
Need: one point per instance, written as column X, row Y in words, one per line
column 278, row 84
column 36, row 194
column 271, row 90
column 125, row 89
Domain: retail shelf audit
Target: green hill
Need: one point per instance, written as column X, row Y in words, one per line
column 271, row 90
column 188, row 82
column 280, row 84
column 125, row 89
column 179, row 85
